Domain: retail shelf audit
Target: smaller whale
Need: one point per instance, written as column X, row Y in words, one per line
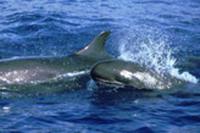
column 123, row 73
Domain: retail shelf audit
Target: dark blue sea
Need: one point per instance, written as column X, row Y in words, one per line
column 162, row 34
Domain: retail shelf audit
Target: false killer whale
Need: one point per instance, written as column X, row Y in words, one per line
column 42, row 70
column 120, row 73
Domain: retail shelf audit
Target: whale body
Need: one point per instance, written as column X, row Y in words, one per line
column 123, row 73
column 42, row 70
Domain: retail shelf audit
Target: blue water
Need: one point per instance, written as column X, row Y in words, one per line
column 61, row 27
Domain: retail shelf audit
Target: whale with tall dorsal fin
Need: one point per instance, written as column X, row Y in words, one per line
column 41, row 70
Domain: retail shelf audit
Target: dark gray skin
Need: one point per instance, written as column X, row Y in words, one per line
column 122, row 73
column 42, row 70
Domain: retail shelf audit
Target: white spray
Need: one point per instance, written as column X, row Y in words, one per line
column 151, row 49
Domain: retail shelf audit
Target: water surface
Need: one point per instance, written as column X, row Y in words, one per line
column 142, row 30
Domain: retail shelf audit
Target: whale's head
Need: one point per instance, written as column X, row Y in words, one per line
column 123, row 73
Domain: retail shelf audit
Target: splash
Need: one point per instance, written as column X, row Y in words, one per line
column 152, row 50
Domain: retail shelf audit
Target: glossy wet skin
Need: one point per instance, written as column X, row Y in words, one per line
column 22, row 71
column 125, row 73
column 42, row 69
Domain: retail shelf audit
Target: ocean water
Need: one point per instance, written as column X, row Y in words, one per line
column 161, row 34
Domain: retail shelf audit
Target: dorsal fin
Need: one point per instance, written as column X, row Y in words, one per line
column 96, row 47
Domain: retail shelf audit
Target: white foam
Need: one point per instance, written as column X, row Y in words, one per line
column 186, row 76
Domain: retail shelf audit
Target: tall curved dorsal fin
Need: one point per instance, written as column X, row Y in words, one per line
column 96, row 47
